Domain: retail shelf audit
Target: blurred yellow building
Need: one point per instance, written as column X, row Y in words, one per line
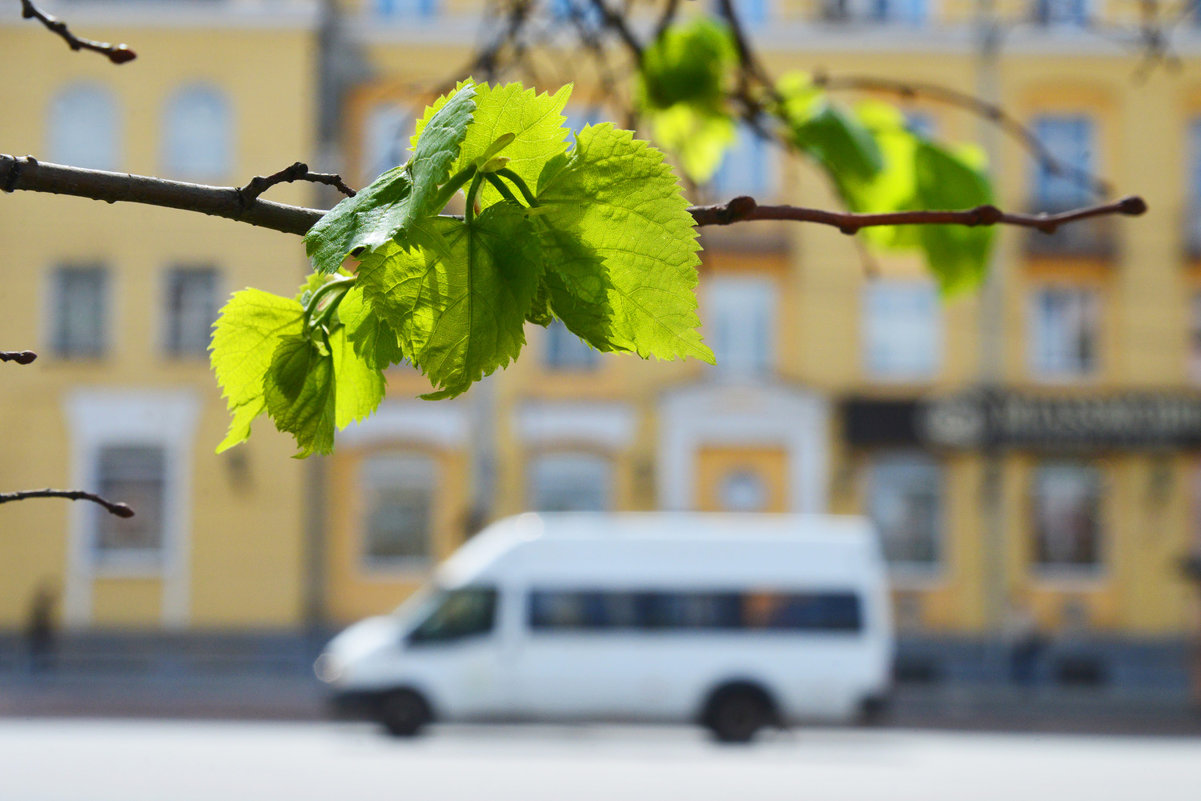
column 1034, row 449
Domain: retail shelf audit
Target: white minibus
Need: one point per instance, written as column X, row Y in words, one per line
column 737, row 622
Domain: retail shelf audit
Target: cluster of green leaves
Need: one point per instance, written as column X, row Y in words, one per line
column 875, row 162
column 592, row 231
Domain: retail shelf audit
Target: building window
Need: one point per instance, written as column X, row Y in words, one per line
column 748, row 168
column 743, row 491
column 583, row 10
column 905, row 12
column 79, row 312
column 570, row 482
column 1067, row 516
column 740, row 325
column 134, row 475
column 1065, row 327
column 408, row 8
column 566, row 351
column 751, row 12
column 1194, row 337
column 1071, row 141
column 197, row 133
column 191, row 310
column 385, row 140
column 905, row 501
column 902, row 330
column 83, row 128
column 398, row 490
column 1066, row 13
column 1192, row 211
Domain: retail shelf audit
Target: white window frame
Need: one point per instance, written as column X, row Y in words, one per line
column 198, row 113
column 55, row 313
column 880, row 339
column 168, row 318
column 1039, row 355
column 1066, row 573
column 88, row 110
column 1050, row 192
column 731, row 300
column 563, row 463
column 387, row 129
column 163, row 419
column 413, row 461
column 751, row 166
column 911, row 573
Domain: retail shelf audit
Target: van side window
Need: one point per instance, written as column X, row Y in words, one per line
column 598, row 610
column 468, row 612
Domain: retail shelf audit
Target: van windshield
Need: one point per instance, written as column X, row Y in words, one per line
column 456, row 614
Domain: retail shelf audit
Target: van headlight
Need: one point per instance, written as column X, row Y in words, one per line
column 328, row 668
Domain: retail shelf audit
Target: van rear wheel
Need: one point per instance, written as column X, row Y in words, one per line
column 404, row 713
column 736, row 716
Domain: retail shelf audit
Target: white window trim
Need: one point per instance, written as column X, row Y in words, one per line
column 164, row 314
column 1034, row 370
column 164, row 419
column 919, row 575
column 894, row 375
column 393, row 568
column 1071, row 578
column 747, row 297
column 610, row 480
column 601, row 426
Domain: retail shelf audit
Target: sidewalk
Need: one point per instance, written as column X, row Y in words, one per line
column 295, row 696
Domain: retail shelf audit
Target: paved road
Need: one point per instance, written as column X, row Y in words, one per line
column 92, row 760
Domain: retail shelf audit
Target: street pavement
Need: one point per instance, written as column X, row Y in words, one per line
column 121, row 760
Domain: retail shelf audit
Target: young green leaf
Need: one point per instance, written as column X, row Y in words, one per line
column 251, row 326
column 534, row 122
column 372, row 338
column 399, row 197
column 622, row 246
column 956, row 254
column 300, row 393
column 689, row 63
column 699, row 139
column 823, row 130
column 359, row 384
column 457, row 293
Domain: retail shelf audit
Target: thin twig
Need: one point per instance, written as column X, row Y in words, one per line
column 18, row 356
column 989, row 111
column 297, row 172
column 743, row 209
column 221, row 201
column 116, row 53
column 118, row 509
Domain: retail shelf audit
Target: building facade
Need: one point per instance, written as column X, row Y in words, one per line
column 844, row 382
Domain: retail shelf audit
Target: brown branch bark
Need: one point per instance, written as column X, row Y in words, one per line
column 118, row 509
column 299, row 171
column 219, row 201
column 116, row 53
column 18, row 356
column 29, row 174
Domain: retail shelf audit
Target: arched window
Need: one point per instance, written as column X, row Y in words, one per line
column 83, row 127
column 197, row 133
column 570, row 482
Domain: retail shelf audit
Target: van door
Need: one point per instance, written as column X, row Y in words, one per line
column 456, row 654
column 574, row 662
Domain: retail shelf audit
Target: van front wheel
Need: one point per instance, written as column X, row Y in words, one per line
column 736, row 716
column 404, row 713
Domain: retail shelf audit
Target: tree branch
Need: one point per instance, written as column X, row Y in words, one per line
column 116, row 53
column 18, row 356
column 743, row 209
column 297, row 172
column 118, row 509
column 219, row 201
column 29, row 174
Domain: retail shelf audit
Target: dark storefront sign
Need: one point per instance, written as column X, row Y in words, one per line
column 1130, row 420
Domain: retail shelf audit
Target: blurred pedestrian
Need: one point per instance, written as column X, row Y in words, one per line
column 1026, row 644
column 39, row 628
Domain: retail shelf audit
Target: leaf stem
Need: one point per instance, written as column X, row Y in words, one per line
column 454, row 185
column 472, row 193
column 515, row 179
column 499, row 185
column 341, row 282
